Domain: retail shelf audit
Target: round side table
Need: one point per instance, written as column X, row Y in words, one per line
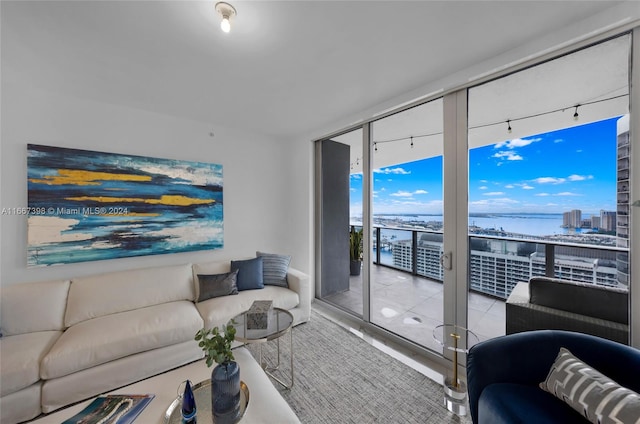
column 457, row 339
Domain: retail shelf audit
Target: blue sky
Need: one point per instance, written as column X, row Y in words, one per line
column 555, row 172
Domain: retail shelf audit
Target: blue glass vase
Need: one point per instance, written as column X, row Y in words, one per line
column 225, row 392
column 188, row 405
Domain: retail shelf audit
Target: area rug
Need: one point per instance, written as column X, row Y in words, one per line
column 340, row 378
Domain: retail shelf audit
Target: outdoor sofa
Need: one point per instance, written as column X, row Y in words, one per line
column 551, row 303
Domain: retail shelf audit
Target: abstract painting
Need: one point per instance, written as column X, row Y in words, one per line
column 86, row 206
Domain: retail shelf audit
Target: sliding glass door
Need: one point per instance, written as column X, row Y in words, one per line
column 549, row 178
column 460, row 198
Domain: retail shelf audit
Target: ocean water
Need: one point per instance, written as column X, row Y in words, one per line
column 530, row 224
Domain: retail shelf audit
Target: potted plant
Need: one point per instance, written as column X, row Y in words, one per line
column 355, row 250
column 225, row 377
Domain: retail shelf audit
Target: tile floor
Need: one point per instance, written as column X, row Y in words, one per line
column 411, row 306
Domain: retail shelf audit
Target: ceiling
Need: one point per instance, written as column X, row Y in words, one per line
column 286, row 69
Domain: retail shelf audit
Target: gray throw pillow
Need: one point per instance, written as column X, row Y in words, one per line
column 249, row 273
column 275, row 268
column 594, row 395
column 217, row 285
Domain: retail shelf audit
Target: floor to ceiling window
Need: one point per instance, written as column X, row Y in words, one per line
column 463, row 196
column 547, row 171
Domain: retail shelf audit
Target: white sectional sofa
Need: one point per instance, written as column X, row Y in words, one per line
column 65, row 341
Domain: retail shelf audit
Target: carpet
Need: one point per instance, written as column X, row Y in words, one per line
column 340, row 378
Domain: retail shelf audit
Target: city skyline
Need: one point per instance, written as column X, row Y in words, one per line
column 554, row 172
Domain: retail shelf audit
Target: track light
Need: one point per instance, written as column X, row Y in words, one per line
column 509, row 126
column 227, row 12
column 575, row 114
column 412, row 142
column 375, row 146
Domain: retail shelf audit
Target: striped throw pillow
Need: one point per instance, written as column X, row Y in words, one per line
column 594, row 395
column 274, row 268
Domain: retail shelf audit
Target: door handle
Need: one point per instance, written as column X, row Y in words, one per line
column 445, row 261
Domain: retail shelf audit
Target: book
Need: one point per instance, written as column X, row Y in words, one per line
column 112, row 409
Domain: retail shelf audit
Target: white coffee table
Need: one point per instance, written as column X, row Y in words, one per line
column 266, row 405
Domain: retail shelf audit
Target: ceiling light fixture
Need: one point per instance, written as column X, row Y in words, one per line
column 575, row 114
column 227, row 12
column 509, row 126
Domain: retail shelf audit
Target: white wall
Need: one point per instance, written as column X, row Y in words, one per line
column 261, row 194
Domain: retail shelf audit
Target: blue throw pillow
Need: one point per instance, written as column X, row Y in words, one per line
column 250, row 274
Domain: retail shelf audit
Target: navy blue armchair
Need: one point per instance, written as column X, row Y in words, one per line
column 503, row 374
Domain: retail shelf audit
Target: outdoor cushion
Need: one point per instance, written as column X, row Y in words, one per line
column 84, row 345
column 21, row 356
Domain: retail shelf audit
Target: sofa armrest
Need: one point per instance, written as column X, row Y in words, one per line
column 299, row 282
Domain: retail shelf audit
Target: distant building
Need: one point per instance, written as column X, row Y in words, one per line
column 572, row 219
column 595, row 221
column 622, row 216
column 608, row 220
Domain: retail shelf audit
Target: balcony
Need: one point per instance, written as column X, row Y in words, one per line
column 408, row 299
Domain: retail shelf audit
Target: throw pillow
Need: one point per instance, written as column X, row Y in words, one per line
column 250, row 274
column 275, row 268
column 594, row 395
column 217, row 285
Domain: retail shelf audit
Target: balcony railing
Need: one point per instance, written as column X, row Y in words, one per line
column 497, row 263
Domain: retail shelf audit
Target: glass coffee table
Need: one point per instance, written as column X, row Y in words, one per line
column 279, row 322
column 459, row 340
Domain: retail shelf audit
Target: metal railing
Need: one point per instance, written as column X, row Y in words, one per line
column 498, row 263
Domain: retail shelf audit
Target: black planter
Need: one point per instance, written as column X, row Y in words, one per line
column 355, row 267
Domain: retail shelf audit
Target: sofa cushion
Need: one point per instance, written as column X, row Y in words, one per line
column 508, row 403
column 591, row 393
column 31, row 307
column 99, row 295
column 274, row 268
column 216, row 285
column 21, row 355
column 85, row 345
column 611, row 304
column 218, row 311
column 250, row 273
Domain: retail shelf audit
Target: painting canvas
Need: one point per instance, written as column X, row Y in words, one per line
column 86, row 205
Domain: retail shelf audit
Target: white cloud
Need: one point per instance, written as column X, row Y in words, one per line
column 526, row 187
column 576, row 177
column 567, row 193
column 402, row 194
column 558, row 140
column 550, row 180
column 516, row 142
column 508, row 154
column 494, row 193
column 542, row 194
column 357, row 176
column 509, row 186
column 396, row 171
